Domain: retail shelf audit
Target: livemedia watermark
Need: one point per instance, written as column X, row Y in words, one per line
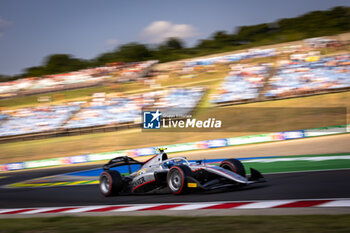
column 240, row 119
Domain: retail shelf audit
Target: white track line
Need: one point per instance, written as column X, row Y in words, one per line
column 194, row 206
column 337, row 203
column 263, row 204
column 135, row 208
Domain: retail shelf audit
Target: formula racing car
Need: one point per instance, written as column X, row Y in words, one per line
column 176, row 175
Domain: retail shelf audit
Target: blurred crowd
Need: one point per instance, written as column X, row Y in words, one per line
column 82, row 78
column 102, row 110
column 243, row 83
column 35, row 119
column 251, row 53
column 310, row 74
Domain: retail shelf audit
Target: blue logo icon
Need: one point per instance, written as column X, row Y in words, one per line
column 151, row 120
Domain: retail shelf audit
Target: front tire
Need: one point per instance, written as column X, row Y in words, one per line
column 233, row 165
column 177, row 179
column 110, row 183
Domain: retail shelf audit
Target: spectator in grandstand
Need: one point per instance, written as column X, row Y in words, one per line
column 34, row 120
column 128, row 109
column 243, row 83
column 77, row 79
column 310, row 75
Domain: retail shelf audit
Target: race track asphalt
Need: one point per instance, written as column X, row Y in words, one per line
column 302, row 185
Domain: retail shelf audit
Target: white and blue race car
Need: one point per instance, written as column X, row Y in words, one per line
column 176, row 175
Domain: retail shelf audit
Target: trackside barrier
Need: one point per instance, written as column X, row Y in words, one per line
column 182, row 147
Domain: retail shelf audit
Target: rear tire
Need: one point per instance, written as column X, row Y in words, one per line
column 110, row 183
column 233, row 165
column 177, row 179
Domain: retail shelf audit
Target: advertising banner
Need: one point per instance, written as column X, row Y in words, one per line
column 145, row 151
column 293, row 134
column 3, row 168
column 182, row 147
column 15, row 166
column 79, row 159
column 42, row 163
column 325, row 131
column 105, row 155
column 251, row 139
column 202, row 145
column 217, row 143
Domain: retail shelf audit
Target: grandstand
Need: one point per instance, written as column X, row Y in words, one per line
column 119, row 110
column 98, row 112
column 302, row 74
column 243, row 83
column 251, row 53
column 34, row 120
column 301, row 77
column 78, row 79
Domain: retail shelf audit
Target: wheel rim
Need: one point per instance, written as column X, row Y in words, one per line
column 105, row 184
column 175, row 181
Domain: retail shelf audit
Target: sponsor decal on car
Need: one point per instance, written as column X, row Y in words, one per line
column 139, row 181
column 142, row 171
column 192, row 185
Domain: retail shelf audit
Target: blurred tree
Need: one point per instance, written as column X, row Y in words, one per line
column 106, row 58
column 174, row 43
column 207, row 44
column 59, row 63
column 35, row 71
column 253, row 33
column 3, row 76
column 222, row 37
column 133, row 52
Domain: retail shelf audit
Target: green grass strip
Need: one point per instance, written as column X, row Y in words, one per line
column 315, row 155
column 155, row 224
column 297, row 166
